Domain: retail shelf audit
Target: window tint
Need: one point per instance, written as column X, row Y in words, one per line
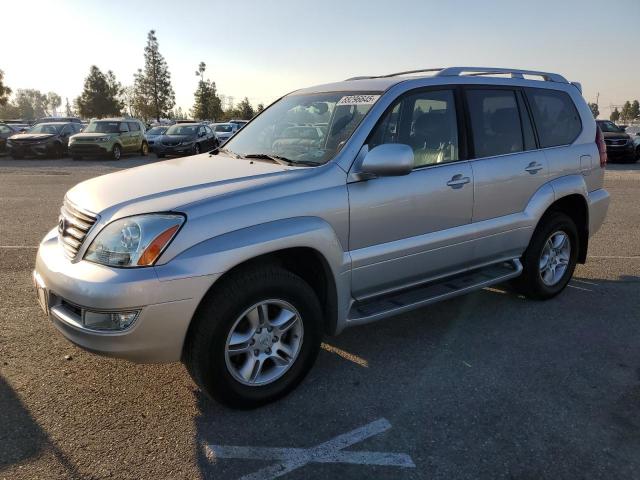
column 527, row 126
column 555, row 115
column 134, row 127
column 495, row 122
column 425, row 121
column 123, row 127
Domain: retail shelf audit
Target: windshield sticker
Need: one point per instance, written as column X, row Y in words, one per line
column 358, row 100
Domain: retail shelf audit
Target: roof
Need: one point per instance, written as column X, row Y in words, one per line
column 381, row 83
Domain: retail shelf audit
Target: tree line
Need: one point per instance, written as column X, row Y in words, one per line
column 150, row 97
column 630, row 112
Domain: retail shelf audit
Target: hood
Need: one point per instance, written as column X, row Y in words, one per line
column 32, row 136
column 92, row 136
column 170, row 184
column 615, row 135
column 175, row 139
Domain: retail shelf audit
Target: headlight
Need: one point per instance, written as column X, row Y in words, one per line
column 134, row 241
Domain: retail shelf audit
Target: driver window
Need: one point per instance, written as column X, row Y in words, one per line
column 425, row 121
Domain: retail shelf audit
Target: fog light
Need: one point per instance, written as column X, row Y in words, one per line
column 108, row 320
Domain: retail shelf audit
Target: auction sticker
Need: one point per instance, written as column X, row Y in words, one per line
column 358, row 100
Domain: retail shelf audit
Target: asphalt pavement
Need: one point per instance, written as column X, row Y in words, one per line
column 489, row 385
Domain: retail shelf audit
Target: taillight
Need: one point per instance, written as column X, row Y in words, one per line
column 602, row 147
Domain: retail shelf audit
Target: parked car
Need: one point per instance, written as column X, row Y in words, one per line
column 154, row 134
column 239, row 123
column 42, row 140
column 58, row 119
column 620, row 145
column 634, row 132
column 423, row 188
column 19, row 127
column 298, row 140
column 224, row 131
column 6, row 130
column 109, row 138
column 185, row 139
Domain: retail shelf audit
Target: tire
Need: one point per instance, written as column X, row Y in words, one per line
column 144, row 149
column 58, row 151
column 533, row 283
column 222, row 312
column 116, row 152
column 196, row 149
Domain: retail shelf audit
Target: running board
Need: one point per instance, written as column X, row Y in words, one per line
column 388, row 305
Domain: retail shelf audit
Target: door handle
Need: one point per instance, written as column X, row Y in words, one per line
column 534, row 167
column 458, row 181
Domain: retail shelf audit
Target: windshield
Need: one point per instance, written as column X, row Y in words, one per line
column 310, row 128
column 103, row 127
column 156, row 130
column 45, row 128
column 222, row 128
column 609, row 127
column 182, row 130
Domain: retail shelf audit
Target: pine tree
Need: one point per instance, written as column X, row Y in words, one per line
column 634, row 111
column 4, row 90
column 615, row 115
column 100, row 96
column 207, row 105
column 625, row 114
column 154, row 82
column 245, row 110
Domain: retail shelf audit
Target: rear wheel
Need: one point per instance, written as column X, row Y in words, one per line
column 144, row 150
column 550, row 258
column 255, row 337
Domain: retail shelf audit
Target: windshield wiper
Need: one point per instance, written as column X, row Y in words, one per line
column 279, row 159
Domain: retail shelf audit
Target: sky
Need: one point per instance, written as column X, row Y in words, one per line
column 265, row 49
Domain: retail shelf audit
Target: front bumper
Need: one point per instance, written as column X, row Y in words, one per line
column 173, row 150
column 90, row 149
column 166, row 305
column 622, row 152
column 27, row 150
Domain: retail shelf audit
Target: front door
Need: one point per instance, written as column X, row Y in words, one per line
column 409, row 229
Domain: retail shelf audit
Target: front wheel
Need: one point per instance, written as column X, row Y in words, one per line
column 116, row 152
column 144, row 149
column 550, row 259
column 196, row 149
column 255, row 337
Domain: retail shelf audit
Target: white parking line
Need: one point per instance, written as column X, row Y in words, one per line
column 290, row 459
column 9, row 247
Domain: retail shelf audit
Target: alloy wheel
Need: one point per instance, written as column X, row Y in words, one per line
column 554, row 259
column 264, row 342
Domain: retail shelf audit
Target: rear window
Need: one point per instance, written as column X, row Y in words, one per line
column 495, row 122
column 555, row 115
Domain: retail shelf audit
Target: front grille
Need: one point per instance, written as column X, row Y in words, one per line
column 73, row 225
column 169, row 143
column 616, row 142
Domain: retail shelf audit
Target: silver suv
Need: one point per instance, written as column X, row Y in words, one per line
column 415, row 187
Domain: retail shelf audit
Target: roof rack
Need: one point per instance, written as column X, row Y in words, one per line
column 515, row 73
column 473, row 71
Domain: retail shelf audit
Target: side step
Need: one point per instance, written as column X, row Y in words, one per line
column 391, row 304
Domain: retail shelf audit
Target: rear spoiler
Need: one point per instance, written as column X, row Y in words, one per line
column 578, row 85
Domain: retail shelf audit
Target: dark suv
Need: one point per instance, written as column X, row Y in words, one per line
column 620, row 145
column 43, row 140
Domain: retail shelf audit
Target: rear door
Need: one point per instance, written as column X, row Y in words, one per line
column 507, row 169
column 136, row 135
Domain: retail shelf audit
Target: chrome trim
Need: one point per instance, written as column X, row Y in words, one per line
column 74, row 223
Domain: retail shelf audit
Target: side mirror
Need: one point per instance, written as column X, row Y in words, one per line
column 388, row 160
